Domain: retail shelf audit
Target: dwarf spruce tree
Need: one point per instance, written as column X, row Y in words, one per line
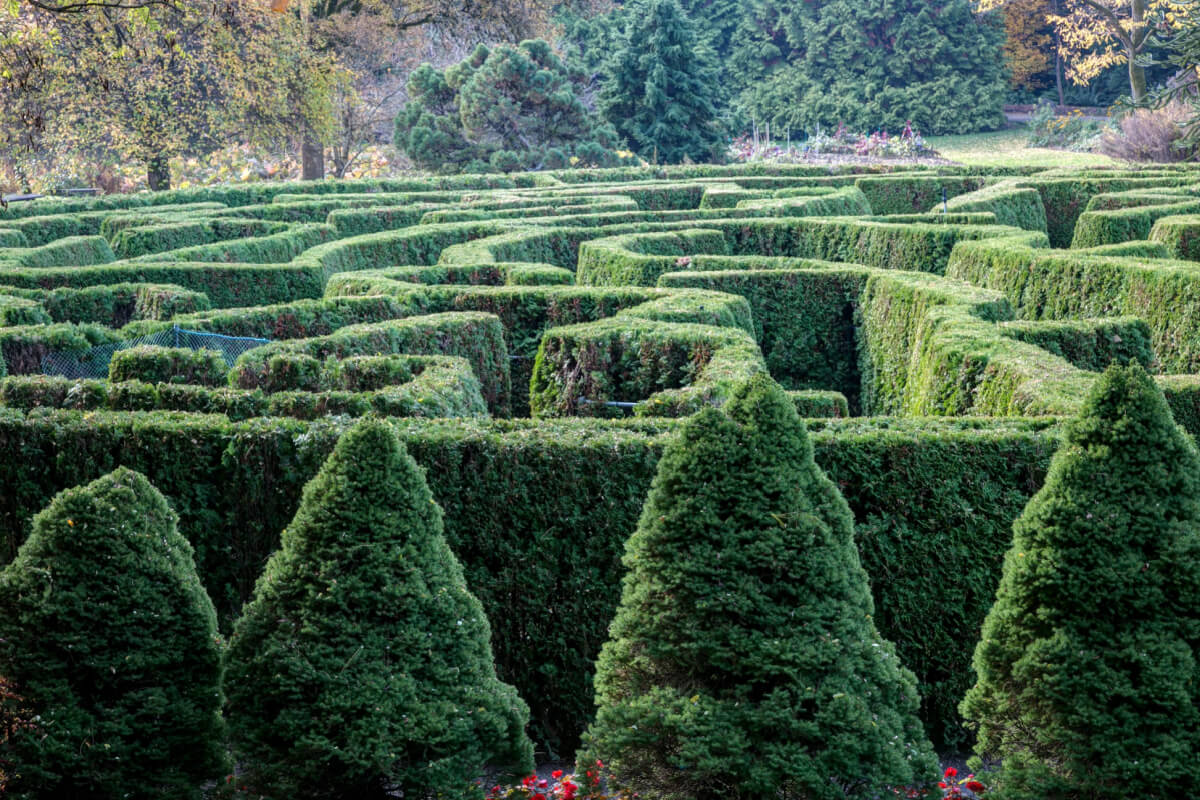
column 363, row 664
column 110, row 651
column 743, row 660
column 661, row 87
column 1089, row 663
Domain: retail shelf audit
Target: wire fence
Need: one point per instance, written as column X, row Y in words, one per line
column 93, row 362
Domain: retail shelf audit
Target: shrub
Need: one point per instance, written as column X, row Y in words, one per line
column 745, row 628
column 1088, row 660
column 1071, row 131
column 154, row 364
column 1152, row 135
column 364, row 663
column 109, row 639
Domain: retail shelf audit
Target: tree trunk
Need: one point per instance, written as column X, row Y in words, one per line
column 1137, row 74
column 158, row 174
column 1058, row 65
column 312, row 159
column 1137, row 82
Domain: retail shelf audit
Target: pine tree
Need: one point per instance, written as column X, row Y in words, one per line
column 872, row 66
column 660, row 88
column 1088, row 670
column 363, row 662
column 110, row 649
column 743, row 661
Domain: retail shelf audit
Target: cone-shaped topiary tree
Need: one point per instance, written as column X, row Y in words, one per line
column 743, row 660
column 363, row 663
column 1088, row 676
column 110, row 647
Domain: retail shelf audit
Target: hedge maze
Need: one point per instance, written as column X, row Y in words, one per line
column 535, row 339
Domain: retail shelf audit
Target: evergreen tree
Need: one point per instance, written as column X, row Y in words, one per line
column 363, row 663
column 503, row 109
column 110, row 649
column 743, row 661
column 660, row 88
column 1088, row 671
column 871, row 65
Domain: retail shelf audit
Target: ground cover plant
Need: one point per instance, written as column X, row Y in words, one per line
column 538, row 341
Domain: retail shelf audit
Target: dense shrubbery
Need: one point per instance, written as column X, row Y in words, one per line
column 660, row 88
column 745, row 629
column 364, row 663
column 111, row 648
column 1088, row 660
column 501, row 110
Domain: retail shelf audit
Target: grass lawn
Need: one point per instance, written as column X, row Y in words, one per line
column 1007, row 147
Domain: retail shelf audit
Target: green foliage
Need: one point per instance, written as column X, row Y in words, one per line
column 139, row 240
column 24, row 346
column 812, row 403
column 659, row 87
column 668, row 369
column 364, row 663
column 898, row 194
column 871, row 66
column 745, row 628
column 477, row 337
column 1092, row 344
column 1098, row 228
column 1087, row 664
column 168, row 365
column 110, row 640
column 501, row 110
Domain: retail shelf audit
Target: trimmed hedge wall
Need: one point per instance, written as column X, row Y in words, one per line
column 1012, row 205
column 436, row 387
column 153, row 364
column 1046, row 284
column 666, row 369
column 911, row 194
column 67, row 252
column 116, row 304
column 1090, row 344
column 1096, row 228
column 539, row 512
column 24, row 346
column 156, row 238
column 1179, row 235
column 475, row 336
column 803, row 311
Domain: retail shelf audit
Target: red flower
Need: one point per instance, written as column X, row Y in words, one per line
column 942, row 785
column 976, row 786
column 950, row 773
column 556, row 774
column 527, row 782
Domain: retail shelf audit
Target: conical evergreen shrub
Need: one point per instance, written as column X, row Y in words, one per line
column 363, row 663
column 743, row 661
column 661, row 85
column 1088, row 671
column 110, row 649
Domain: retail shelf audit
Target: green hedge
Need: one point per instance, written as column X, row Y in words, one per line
column 1096, row 228
column 225, row 285
column 911, row 194
column 1046, row 284
column 1089, row 344
column 12, row 238
column 24, row 346
column 153, row 238
column 68, row 252
column 803, row 311
column 539, row 512
column 814, row 403
column 1066, row 198
column 437, row 387
column 299, row 320
column 931, row 347
column 1179, row 235
column 1012, row 205
column 116, row 304
column 277, row 248
column 667, row 369
column 475, row 336
column 153, row 364
column 16, row 309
